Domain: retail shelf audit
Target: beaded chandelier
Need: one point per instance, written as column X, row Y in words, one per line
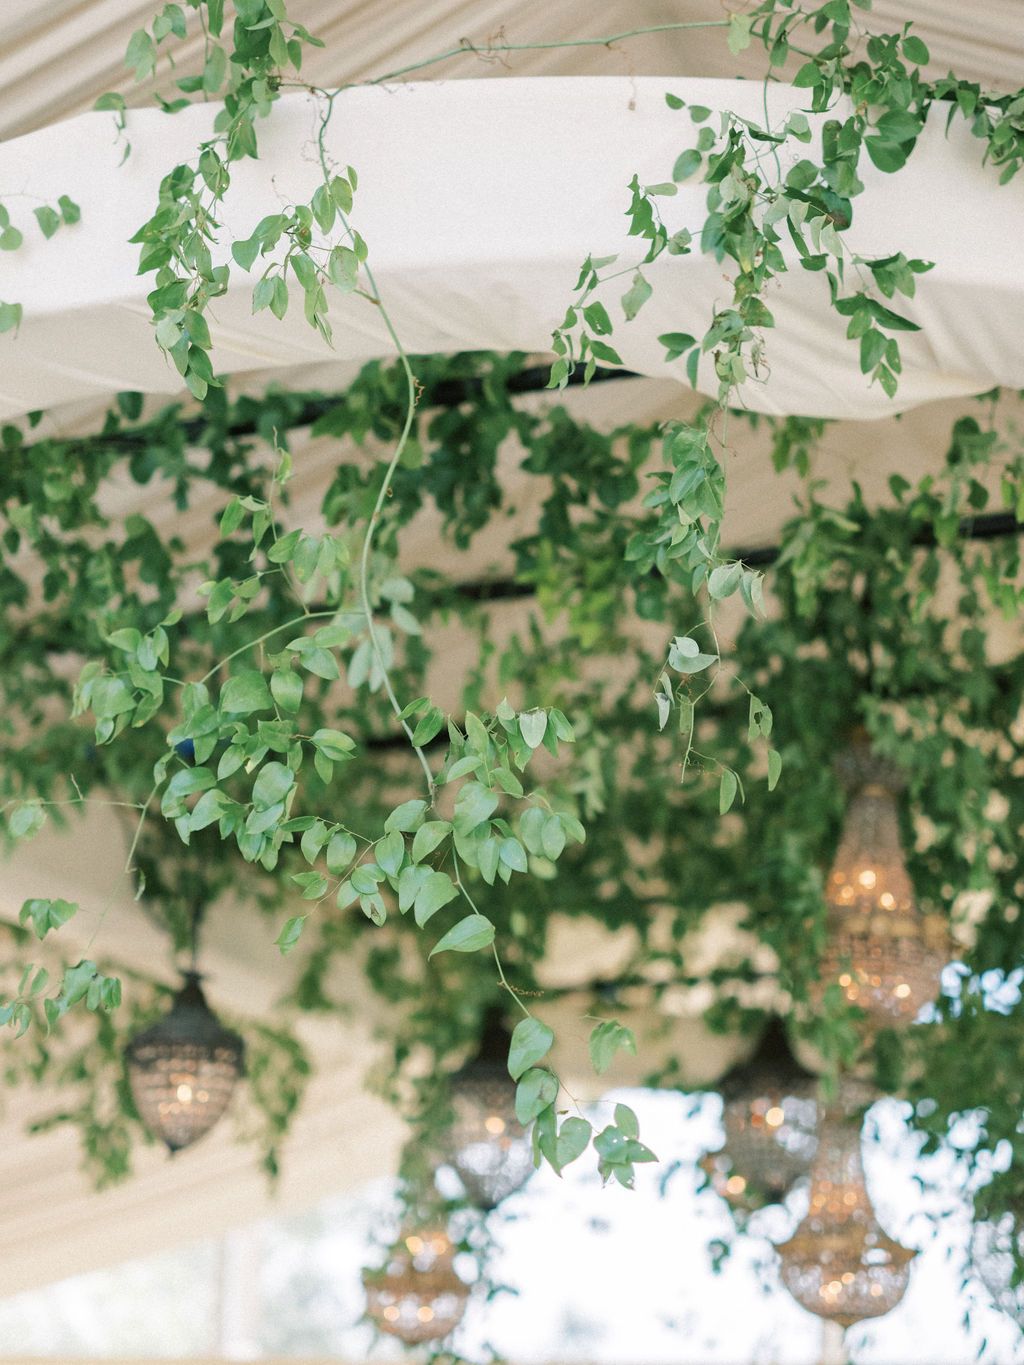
column 416, row 1295
column 770, row 1119
column 839, row 1263
column 184, row 1068
column 486, row 1144
column 885, row 955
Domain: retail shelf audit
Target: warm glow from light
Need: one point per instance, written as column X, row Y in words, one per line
column 774, row 1116
column 495, row 1124
column 736, row 1184
column 902, row 990
column 876, row 1290
column 425, row 1314
column 868, row 878
column 415, row 1244
column 391, row 1312
column 887, row 900
column 184, row 1093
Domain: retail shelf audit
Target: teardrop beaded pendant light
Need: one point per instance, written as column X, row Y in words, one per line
column 839, row 1263
column 417, row 1295
column 183, row 1069
column 486, row 1144
column 886, row 956
column 770, row 1117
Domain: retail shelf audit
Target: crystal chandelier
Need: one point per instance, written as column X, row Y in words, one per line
column 839, row 1263
column 770, row 1119
column 885, row 955
column 417, row 1295
column 486, row 1144
column 183, row 1069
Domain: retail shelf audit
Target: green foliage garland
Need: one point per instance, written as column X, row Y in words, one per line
column 234, row 718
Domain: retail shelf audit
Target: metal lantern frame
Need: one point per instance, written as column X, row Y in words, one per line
column 485, row 1144
column 770, row 1117
column 184, row 1068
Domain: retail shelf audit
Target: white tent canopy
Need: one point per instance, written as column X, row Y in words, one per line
column 477, row 245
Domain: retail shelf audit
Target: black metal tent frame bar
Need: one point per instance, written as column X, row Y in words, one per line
column 534, row 379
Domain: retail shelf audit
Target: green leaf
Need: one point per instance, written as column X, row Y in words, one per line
column 10, row 317
column 272, row 785
column 410, row 881
column 286, row 689
column 434, row 890
column 537, row 1089
column 333, row 744
column 724, row 579
column 573, row 1137
column 49, row 220
column 290, row 934
column 488, row 859
column 531, row 1040
column 406, row 817
column 626, row 1121
column 473, row 805
column 390, row 852
column 428, row 726
column 727, row 788
column 208, row 809
column 687, row 164
column 468, row 936
column 774, row 768
column 428, row 836
column 606, row 1039
column 916, row 51
column 341, row 849
column 636, row 296
column 532, row 727
column 46, row 914
column 244, row 693
column 26, row 819
column 739, row 32
column 553, row 837
column 685, row 656
column 512, row 854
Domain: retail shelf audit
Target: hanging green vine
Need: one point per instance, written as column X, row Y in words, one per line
column 237, row 716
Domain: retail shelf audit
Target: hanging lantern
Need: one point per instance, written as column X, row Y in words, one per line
column 486, row 1144
column 886, row 956
column 839, row 1263
column 183, row 1069
column 770, row 1118
column 996, row 1257
column 417, row 1296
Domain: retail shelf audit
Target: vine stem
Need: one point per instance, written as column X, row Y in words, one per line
column 467, row 48
column 143, row 812
column 503, row 979
column 293, row 624
column 389, row 474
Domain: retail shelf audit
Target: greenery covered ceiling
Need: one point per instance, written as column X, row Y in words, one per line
column 267, row 704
